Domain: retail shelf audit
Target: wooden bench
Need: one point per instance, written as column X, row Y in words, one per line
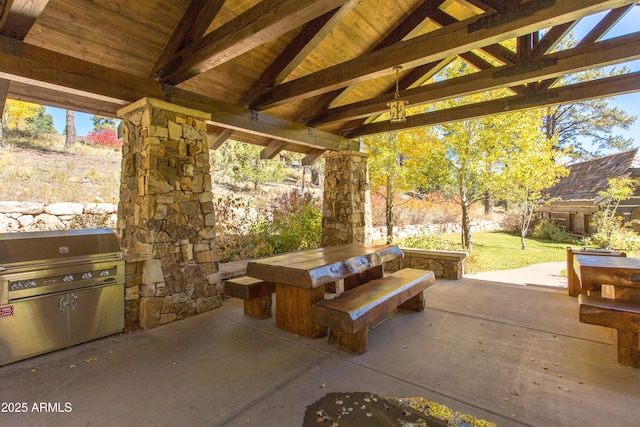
column 621, row 315
column 256, row 294
column 349, row 315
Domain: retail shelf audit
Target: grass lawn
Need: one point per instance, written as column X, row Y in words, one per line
column 495, row 250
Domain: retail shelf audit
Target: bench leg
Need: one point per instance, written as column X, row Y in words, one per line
column 258, row 308
column 414, row 304
column 627, row 346
column 353, row 343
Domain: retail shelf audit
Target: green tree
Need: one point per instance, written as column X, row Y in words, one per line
column 391, row 167
column 102, row 123
column 41, row 122
column 610, row 228
column 530, row 168
column 241, row 163
column 585, row 128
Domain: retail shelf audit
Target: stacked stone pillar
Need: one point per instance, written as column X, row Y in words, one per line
column 346, row 210
column 166, row 224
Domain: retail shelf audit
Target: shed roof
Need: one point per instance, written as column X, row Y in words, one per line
column 586, row 179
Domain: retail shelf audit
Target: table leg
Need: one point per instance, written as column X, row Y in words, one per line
column 356, row 280
column 293, row 310
column 627, row 346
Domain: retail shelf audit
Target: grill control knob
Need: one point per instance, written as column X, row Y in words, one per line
column 104, row 273
column 30, row 284
column 16, row 285
column 87, row 275
column 67, row 278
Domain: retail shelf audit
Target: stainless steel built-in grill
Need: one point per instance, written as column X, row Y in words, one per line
column 57, row 289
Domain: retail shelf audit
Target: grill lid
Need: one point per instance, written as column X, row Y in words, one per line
column 56, row 246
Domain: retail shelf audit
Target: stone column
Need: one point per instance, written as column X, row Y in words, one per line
column 166, row 224
column 346, row 210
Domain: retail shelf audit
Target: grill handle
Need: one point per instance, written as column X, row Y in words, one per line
column 62, row 304
column 74, row 302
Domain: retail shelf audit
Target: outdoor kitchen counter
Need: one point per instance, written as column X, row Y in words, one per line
column 300, row 279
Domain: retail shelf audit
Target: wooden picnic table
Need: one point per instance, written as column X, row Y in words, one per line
column 619, row 275
column 613, row 288
column 573, row 281
column 300, row 278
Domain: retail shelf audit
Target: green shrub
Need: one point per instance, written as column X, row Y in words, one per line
column 243, row 232
column 430, row 241
column 549, row 230
column 295, row 223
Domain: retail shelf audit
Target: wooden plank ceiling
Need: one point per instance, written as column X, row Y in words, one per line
column 305, row 76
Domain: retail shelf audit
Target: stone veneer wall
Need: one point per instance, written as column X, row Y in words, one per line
column 346, row 207
column 444, row 264
column 166, row 223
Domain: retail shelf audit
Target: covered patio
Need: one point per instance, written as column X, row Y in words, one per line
column 511, row 354
column 308, row 77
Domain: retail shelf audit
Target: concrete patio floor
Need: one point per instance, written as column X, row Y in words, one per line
column 515, row 355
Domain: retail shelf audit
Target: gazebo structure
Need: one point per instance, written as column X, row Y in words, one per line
column 305, row 76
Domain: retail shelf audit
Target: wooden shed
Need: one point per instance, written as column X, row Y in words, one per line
column 576, row 199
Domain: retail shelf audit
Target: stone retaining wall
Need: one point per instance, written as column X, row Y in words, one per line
column 444, row 264
column 379, row 234
column 28, row 216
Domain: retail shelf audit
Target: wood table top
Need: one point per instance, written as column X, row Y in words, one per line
column 605, row 270
column 315, row 267
column 607, row 261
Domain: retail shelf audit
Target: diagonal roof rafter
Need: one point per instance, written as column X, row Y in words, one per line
column 265, row 21
column 610, row 86
column 451, row 40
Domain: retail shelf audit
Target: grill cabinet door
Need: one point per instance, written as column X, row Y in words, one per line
column 36, row 326
column 95, row 312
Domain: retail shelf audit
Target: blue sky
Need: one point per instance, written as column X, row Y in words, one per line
column 630, row 103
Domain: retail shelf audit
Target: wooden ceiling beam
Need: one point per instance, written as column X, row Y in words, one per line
column 551, row 39
column 307, row 40
column 402, row 30
column 192, row 26
column 4, row 91
column 5, row 7
column 601, row 88
column 265, row 21
column 481, row 5
column 605, row 24
column 272, row 149
column 18, row 16
column 454, row 39
column 501, row 53
column 217, row 136
column 39, row 67
column 312, row 157
column 254, row 123
column 489, row 5
column 35, row 93
column 607, row 52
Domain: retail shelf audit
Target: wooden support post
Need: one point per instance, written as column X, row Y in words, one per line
column 627, row 345
column 356, row 343
column 293, row 310
column 258, row 308
column 414, row 304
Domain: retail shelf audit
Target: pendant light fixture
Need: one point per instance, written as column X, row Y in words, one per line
column 397, row 113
